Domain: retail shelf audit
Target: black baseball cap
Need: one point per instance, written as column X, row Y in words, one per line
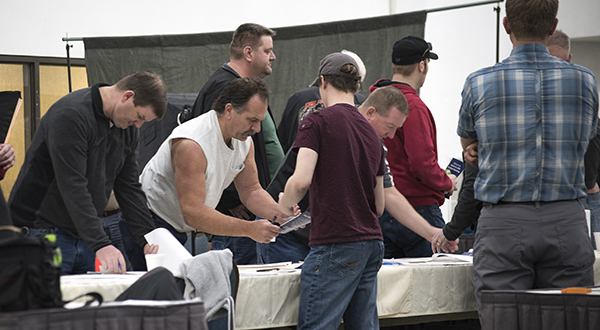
column 410, row 50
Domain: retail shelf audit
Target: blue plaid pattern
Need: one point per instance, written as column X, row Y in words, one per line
column 533, row 115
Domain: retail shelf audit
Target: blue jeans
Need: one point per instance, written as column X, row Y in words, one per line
column 339, row 281
column 77, row 257
column 243, row 248
column 113, row 226
column 592, row 203
column 285, row 248
column 402, row 242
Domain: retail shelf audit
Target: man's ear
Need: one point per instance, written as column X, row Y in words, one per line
column 228, row 113
column 129, row 94
column 554, row 27
column 323, row 82
column 505, row 24
column 248, row 53
column 371, row 111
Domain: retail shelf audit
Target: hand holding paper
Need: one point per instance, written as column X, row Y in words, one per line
column 174, row 252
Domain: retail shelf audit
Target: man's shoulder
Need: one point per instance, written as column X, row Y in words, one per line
column 504, row 70
column 307, row 93
column 74, row 107
column 219, row 79
column 579, row 68
column 303, row 99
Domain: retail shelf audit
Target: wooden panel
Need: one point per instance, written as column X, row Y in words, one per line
column 54, row 83
column 11, row 79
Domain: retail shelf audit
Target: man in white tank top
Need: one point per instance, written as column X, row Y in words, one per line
column 184, row 181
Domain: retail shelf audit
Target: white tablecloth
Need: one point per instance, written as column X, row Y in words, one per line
column 110, row 286
column 403, row 290
column 270, row 298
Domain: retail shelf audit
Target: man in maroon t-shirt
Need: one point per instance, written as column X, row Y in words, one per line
column 341, row 162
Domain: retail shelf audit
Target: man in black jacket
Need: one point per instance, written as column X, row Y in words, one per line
column 85, row 147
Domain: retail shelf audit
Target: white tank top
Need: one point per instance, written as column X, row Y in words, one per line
column 223, row 165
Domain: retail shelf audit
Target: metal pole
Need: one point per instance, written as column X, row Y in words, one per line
column 497, row 10
column 463, row 6
column 72, row 39
column 69, row 65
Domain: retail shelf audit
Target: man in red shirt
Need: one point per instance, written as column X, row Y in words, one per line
column 412, row 152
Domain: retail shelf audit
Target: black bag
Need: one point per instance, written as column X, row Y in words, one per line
column 29, row 271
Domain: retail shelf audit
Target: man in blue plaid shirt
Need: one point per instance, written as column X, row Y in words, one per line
column 533, row 116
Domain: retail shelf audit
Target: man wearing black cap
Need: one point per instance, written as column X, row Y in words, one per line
column 412, row 152
column 341, row 161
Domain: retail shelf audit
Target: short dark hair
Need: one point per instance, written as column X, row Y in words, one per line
column 248, row 34
column 149, row 89
column 345, row 84
column 531, row 18
column 385, row 98
column 239, row 91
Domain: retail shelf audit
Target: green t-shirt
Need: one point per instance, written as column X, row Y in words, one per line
column 272, row 144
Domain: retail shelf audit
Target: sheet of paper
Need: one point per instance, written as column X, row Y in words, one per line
column 437, row 259
column 174, row 252
column 265, row 266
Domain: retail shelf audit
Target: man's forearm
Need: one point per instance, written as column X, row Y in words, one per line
column 209, row 220
column 261, row 204
column 294, row 192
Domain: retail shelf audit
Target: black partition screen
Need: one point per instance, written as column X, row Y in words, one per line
column 187, row 61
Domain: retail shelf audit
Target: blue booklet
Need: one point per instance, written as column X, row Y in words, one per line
column 455, row 167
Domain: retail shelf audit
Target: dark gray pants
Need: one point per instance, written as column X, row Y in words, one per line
column 521, row 246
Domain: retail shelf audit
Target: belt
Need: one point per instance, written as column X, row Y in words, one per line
column 109, row 213
column 529, row 203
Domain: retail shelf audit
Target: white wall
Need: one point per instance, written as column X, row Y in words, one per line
column 36, row 27
column 465, row 39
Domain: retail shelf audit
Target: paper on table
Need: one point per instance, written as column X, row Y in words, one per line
column 265, row 266
column 174, row 252
column 437, row 259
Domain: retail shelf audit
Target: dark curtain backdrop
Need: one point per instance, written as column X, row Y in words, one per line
column 187, row 61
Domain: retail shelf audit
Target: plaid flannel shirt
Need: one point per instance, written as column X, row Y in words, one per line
column 533, row 115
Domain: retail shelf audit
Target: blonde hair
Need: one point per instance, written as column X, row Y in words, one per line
column 560, row 39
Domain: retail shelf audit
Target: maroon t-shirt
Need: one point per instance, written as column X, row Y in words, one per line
column 342, row 192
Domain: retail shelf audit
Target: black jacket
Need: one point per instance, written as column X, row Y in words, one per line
column 75, row 159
